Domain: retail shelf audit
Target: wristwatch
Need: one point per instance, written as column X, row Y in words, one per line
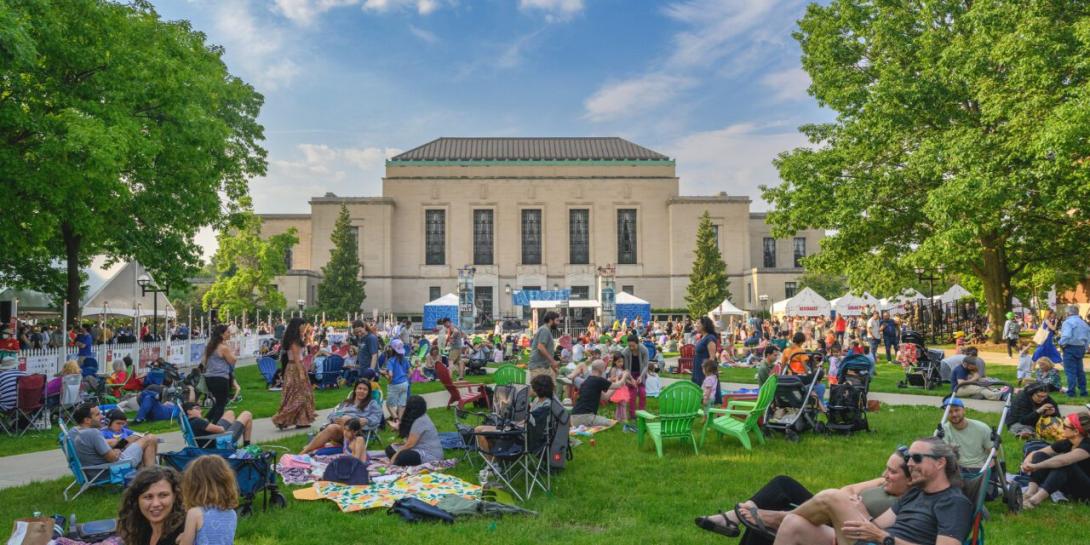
column 889, row 540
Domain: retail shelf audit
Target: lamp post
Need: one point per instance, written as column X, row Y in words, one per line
column 301, row 303
column 923, row 274
column 146, row 285
column 763, row 299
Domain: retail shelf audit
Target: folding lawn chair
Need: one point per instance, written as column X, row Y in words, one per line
column 30, row 403
column 89, row 476
column 223, row 440
column 71, row 397
column 331, row 370
column 518, row 453
column 267, row 367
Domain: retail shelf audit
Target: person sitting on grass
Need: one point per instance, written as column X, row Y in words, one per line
column 933, row 511
column 152, row 407
column 359, row 405
column 972, row 438
column 211, row 496
column 241, row 427
column 349, row 435
column 776, row 498
column 585, row 410
column 1063, row 466
column 93, row 450
column 654, row 383
column 967, row 378
column 1047, row 375
column 1029, row 406
column 152, row 511
column 421, row 444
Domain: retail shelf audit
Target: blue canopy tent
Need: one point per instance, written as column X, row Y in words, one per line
column 628, row 306
column 443, row 307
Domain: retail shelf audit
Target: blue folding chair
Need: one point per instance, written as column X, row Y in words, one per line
column 332, row 367
column 154, row 377
column 267, row 367
column 650, row 350
column 89, row 367
column 224, row 440
column 87, row 477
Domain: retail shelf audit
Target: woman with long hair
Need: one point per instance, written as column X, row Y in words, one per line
column 705, row 348
column 297, row 403
column 421, row 438
column 219, row 367
column 1063, row 466
column 151, row 510
column 355, row 417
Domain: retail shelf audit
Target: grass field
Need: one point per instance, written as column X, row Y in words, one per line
column 255, row 398
column 612, row 493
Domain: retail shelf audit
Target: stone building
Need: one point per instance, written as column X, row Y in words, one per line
column 537, row 213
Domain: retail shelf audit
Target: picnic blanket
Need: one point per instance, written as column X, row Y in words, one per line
column 429, row 488
column 587, row 431
column 301, row 469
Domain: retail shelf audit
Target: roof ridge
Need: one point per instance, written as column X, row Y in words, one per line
column 533, row 148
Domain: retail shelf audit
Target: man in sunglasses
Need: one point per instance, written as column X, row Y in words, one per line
column 933, row 512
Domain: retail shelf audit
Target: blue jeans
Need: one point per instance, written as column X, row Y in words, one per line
column 873, row 348
column 889, row 340
column 151, row 409
column 1076, row 375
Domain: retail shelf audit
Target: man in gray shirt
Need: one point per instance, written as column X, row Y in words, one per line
column 91, row 446
column 541, row 348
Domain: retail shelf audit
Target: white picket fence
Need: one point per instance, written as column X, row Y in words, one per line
column 184, row 354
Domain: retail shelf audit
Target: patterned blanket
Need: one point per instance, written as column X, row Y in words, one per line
column 587, row 431
column 429, row 488
column 301, row 469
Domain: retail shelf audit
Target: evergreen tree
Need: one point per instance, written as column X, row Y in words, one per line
column 708, row 284
column 341, row 290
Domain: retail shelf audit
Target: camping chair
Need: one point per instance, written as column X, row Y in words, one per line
column 267, row 367
column 89, row 367
column 727, row 424
column 71, row 397
column 518, row 454
column 223, row 440
column 89, row 476
column 651, row 350
column 154, row 377
column 685, row 358
column 679, row 405
column 331, row 369
column 973, row 485
column 30, row 402
column 461, row 393
column 509, row 374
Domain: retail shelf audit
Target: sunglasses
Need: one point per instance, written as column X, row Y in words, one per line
column 918, row 457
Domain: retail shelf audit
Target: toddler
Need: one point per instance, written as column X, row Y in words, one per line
column 711, row 380
column 211, row 496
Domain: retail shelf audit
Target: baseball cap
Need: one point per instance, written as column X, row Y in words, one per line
column 116, row 414
column 955, row 402
column 397, row 346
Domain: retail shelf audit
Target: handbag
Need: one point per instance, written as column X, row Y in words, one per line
column 414, row 510
column 1041, row 336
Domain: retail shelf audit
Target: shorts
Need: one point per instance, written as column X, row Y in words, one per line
column 541, row 371
column 133, row 453
column 589, row 420
column 236, row 429
column 397, row 394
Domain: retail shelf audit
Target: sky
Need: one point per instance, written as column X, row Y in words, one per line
column 715, row 84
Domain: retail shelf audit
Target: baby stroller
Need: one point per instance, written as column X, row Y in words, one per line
column 848, row 397
column 997, row 484
column 923, row 366
column 253, row 473
column 795, row 406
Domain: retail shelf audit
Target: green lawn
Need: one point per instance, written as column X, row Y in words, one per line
column 612, row 493
column 255, row 398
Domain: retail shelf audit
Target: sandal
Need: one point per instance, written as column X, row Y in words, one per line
column 729, row 529
column 758, row 525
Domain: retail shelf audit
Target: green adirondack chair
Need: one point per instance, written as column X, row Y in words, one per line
column 509, row 374
column 679, row 406
column 723, row 421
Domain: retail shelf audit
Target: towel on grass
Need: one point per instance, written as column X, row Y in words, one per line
column 428, row 488
column 301, row 469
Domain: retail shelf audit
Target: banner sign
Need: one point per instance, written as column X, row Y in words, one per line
column 523, row 297
column 38, row 365
column 196, row 352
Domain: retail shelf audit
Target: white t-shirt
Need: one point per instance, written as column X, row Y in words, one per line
column 577, row 352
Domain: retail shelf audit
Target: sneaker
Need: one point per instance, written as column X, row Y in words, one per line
column 629, row 428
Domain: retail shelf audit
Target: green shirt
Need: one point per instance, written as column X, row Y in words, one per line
column 974, row 442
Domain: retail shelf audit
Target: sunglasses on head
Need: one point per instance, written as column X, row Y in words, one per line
column 917, row 457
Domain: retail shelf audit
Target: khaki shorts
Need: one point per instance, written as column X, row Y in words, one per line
column 542, row 371
column 590, row 420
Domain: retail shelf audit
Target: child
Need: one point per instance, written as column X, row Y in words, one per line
column 834, row 364
column 1025, row 362
column 117, row 429
column 1048, row 375
column 211, row 496
column 711, row 380
column 652, row 383
column 618, row 376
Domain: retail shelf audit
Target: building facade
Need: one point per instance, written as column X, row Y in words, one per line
column 537, row 213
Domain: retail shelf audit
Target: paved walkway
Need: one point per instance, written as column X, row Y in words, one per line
column 24, row 469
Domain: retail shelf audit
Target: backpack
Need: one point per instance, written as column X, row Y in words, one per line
column 347, row 470
column 411, row 509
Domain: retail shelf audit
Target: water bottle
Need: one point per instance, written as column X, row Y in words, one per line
column 482, row 477
column 72, row 523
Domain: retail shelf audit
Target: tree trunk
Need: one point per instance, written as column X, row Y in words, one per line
column 72, row 289
column 995, row 276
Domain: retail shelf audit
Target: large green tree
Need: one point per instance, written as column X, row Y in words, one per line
column 341, row 290
column 246, row 268
column 121, row 134
column 829, row 286
column 960, row 139
column 708, row 283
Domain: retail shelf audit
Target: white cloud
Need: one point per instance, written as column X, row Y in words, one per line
column 717, row 28
column 787, row 85
column 254, row 46
column 314, row 170
column 555, row 10
column 424, row 35
column 632, row 96
column 423, row 7
column 736, row 159
column 304, row 11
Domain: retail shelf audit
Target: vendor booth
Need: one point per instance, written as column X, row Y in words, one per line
column 443, row 307
column 629, row 307
column 805, row 303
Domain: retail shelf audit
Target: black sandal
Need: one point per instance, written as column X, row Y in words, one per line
column 729, row 529
column 758, row 526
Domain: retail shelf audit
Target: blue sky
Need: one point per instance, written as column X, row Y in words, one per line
column 715, row 84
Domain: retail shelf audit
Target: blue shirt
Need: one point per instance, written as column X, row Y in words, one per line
column 398, row 366
column 368, row 348
column 1074, row 332
column 218, row 527
column 86, row 349
column 107, row 433
column 958, row 374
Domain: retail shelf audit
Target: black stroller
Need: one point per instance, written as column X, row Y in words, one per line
column 795, row 406
column 256, row 474
column 847, row 411
column 923, row 367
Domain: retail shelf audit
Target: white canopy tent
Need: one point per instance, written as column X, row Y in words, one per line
column 871, row 300
column 726, row 308
column 955, row 293
column 910, row 295
column 805, row 303
column 114, row 291
column 892, row 305
column 849, row 305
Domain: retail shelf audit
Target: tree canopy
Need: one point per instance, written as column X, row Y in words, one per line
column 960, row 139
column 829, row 286
column 708, row 283
column 341, row 290
column 123, row 135
column 246, row 267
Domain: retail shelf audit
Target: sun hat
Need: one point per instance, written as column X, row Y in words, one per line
column 397, row 346
column 1010, row 315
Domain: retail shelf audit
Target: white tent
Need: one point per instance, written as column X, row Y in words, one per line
column 726, row 308
column 892, row 305
column 849, row 305
column 871, row 300
column 113, row 290
column 955, row 293
column 911, row 296
column 805, row 303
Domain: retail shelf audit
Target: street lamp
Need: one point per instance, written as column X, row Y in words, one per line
column 301, row 303
column 146, row 285
column 923, row 274
column 763, row 298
